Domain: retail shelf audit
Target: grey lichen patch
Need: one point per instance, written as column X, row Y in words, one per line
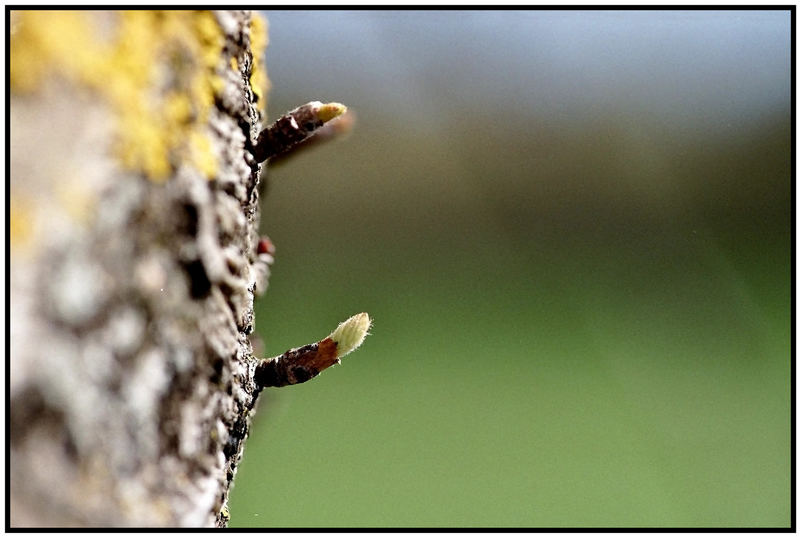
column 126, row 330
column 77, row 288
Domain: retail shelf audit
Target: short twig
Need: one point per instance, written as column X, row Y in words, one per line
column 294, row 127
column 333, row 130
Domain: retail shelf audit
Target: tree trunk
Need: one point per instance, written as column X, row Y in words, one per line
column 134, row 263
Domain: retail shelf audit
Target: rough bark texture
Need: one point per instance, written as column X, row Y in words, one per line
column 134, row 264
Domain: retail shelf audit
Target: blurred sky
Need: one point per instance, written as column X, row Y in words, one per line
column 682, row 66
column 515, row 112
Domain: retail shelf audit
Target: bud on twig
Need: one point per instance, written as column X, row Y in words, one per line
column 304, row 363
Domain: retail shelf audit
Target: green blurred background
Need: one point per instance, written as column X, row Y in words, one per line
column 573, row 231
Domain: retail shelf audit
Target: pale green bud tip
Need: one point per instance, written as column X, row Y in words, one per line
column 329, row 111
column 351, row 333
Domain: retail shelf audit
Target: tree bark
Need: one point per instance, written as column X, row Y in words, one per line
column 134, row 263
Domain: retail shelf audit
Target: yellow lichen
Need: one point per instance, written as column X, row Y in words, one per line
column 48, row 42
column 210, row 38
column 200, row 153
column 20, row 220
column 258, row 44
column 177, row 108
column 157, row 71
column 75, row 196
